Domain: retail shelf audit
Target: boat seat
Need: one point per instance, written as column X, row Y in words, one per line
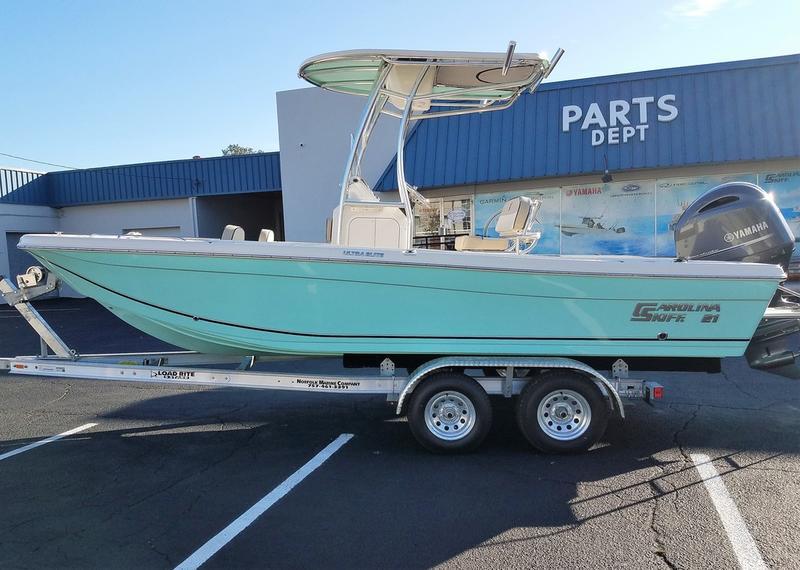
column 513, row 224
column 234, row 233
column 266, row 235
column 478, row 243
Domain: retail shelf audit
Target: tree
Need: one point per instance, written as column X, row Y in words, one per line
column 234, row 149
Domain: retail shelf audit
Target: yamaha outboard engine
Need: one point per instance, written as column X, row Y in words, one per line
column 738, row 221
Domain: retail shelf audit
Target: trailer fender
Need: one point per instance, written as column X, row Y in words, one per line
column 463, row 362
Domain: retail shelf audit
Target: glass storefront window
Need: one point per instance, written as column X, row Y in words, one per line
column 437, row 224
column 428, row 219
column 457, row 215
column 443, row 216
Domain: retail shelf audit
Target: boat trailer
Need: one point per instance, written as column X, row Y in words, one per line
column 577, row 399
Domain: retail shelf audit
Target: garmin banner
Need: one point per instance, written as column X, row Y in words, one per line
column 487, row 205
column 615, row 218
column 673, row 196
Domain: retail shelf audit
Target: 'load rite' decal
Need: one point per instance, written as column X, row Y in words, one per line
column 674, row 312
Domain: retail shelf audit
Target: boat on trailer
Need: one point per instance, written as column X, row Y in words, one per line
column 536, row 324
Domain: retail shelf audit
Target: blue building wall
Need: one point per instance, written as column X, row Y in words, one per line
column 164, row 180
column 148, row 181
column 23, row 187
column 727, row 112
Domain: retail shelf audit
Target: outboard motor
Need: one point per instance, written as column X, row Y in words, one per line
column 738, row 221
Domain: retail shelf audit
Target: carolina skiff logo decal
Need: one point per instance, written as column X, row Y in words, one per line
column 674, row 312
column 730, row 237
column 362, row 253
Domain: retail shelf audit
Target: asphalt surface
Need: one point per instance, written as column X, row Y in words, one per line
column 166, row 468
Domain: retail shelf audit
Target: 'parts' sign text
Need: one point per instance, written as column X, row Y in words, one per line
column 622, row 121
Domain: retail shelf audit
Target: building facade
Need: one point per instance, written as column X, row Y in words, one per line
column 614, row 160
column 186, row 198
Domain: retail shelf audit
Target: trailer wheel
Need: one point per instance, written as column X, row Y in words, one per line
column 449, row 413
column 562, row 413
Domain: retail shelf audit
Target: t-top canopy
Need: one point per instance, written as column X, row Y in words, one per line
column 453, row 76
column 419, row 85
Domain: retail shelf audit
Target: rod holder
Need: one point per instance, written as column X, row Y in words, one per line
column 512, row 45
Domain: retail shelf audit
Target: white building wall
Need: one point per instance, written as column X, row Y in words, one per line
column 314, row 132
column 176, row 217
column 19, row 219
column 155, row 217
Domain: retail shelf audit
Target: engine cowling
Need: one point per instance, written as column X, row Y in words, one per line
column 736, row 221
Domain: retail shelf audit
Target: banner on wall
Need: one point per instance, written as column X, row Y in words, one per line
column 673, row 196
column 785, row 189
column 487, row 205
column 614, row 218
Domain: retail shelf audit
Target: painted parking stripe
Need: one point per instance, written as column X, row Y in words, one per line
column 740, row 538
column 232, row 530
column 42, row 442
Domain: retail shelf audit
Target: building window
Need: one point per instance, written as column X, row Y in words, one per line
column 437, row 224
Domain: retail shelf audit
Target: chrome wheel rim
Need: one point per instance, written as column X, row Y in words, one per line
column 564, row 415
column 450, row 415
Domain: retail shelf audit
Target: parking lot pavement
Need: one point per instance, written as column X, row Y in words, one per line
column 167, row 468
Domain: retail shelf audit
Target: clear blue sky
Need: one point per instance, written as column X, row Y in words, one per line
column 93, row 83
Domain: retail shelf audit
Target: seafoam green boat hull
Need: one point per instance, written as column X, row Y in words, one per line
column 241, row 305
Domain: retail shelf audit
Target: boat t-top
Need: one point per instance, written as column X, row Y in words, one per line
column 532, row 325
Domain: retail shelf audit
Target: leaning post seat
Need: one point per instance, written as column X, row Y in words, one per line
column 513, row 225
column 231, row 232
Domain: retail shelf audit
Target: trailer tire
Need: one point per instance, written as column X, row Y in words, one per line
column 449, row 412
column 563, row 412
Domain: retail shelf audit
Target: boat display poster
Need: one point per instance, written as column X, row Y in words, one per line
column 673, row 196
column 612, row 218
column 487, row 205
column 784, row 186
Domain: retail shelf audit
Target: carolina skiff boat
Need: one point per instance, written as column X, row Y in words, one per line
column 486, row 319
column 370, row 292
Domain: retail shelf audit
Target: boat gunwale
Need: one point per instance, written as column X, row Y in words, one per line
column 404, row 262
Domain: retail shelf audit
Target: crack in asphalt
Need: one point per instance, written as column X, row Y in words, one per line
column 676, row 437
column 44, row 406
column 660, row 550
column 659, row 495
column 737, row 385
column 163, row 555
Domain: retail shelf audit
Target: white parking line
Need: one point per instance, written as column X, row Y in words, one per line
column 740, row 538
column 230, row 532
column 50, row 439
